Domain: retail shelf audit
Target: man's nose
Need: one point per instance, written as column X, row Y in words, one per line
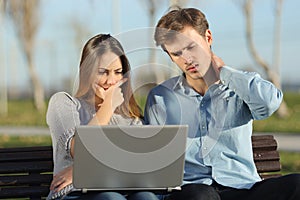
column 186, row 56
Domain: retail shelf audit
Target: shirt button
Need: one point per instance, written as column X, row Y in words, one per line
column 203, row 127
column 205, row 148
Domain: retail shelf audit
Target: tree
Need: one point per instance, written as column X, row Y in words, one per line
column 3, row 68
column 25, row 20
column 273, row 75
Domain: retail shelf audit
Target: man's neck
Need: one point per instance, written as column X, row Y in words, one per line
column 201, row 85
column 198, row 85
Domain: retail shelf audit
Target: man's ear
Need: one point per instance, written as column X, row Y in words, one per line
column 208, row 37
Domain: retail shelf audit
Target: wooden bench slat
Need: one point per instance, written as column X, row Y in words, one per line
column 23, row 192
column 26, row 149
column 22, row 167
column 28, row 156
column 264, row 144
column 268, row 166
column 268, row 175
column 265, row 155
column 31, row 179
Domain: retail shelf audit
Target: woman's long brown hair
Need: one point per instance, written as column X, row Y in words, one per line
column 89, row 63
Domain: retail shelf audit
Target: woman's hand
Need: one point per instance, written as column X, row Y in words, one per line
column 113, row 95
column 62, row 179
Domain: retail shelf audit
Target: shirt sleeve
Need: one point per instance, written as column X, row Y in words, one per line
column 155, row 111
column 62, row 118
column 261, row 96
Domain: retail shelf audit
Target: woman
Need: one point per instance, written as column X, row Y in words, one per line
column 104, row 96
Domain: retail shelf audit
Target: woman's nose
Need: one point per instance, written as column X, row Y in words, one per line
column 111, row 79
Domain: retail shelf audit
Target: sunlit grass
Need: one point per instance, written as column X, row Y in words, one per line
column 23, row 113
column 24, row 141
column 290, row 162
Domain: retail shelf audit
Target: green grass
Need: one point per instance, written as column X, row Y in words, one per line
column 290, row 162
column 24, row 141
column 22, row 113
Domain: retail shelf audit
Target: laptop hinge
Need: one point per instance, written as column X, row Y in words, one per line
column 170, row 189
column 84, row 190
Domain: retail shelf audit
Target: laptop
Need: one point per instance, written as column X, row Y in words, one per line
column 129, row 158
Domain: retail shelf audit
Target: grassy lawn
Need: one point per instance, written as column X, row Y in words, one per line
column 290, row 162
column 22, row 113
column 24, row 141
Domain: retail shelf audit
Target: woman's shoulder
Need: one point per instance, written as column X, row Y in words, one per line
column 61, row 98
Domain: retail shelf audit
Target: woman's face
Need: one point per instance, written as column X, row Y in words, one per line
column 109, row 71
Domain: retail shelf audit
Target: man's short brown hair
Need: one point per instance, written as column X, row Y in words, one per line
column 176, row 20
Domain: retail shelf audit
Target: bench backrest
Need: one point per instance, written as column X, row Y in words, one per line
column 27, row 172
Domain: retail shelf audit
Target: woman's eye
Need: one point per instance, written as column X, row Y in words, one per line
column 101, row 72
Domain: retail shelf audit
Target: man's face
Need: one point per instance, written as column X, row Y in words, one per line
column 191, row 52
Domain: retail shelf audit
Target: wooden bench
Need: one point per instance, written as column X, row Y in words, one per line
column 27, row 172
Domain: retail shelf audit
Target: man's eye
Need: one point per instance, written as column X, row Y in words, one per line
column 176, row 54
column 190, row 47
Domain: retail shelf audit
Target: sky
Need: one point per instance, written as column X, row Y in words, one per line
column 58, row 45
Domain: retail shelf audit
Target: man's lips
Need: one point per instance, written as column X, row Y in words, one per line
column 192, row 68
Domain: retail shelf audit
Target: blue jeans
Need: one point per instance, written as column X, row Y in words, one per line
column 113, row 196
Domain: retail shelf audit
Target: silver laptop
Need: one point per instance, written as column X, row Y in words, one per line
column 118, row 158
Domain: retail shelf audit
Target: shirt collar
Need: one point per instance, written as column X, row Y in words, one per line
column 181, row 84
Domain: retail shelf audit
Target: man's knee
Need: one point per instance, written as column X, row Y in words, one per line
column 200, row 192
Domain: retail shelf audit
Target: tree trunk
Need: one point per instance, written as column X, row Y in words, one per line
column 24, row 16
column 38, row 91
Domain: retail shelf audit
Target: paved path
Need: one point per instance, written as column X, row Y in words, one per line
column 286, row 141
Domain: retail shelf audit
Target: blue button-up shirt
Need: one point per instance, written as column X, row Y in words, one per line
column 220, row 124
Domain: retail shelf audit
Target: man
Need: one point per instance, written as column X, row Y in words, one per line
column 219, row 104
